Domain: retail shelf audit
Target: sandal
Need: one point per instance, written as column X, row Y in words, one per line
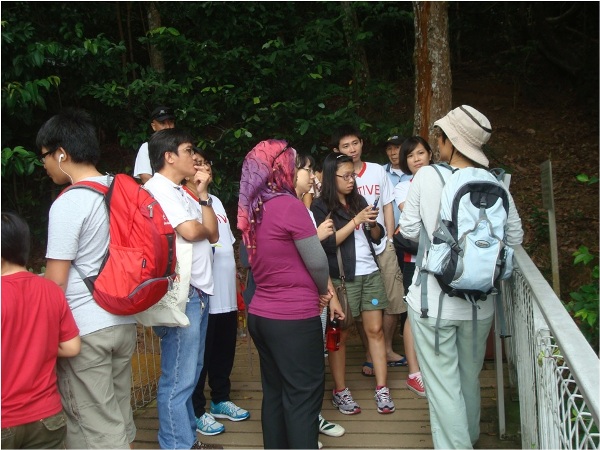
column 399, row 363
column 367, row 369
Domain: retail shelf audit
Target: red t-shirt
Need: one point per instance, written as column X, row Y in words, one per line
column 35, row 319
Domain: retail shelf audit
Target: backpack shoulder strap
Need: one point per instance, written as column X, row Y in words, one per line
column 91, row 185
column 445, row 166
column 498, row 173
column 102, row 190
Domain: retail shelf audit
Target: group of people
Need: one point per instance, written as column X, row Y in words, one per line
column 83, row 398
column 356, row 208
column 301, row 230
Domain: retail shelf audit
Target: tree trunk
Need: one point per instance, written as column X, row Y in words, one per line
column 156, row 58
column 130, row 39
column 121, row 35
column 433, row 76
column 356, row 51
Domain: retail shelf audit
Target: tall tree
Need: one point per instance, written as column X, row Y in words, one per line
column 156, row 58
column 356, row 50
column 433, row 76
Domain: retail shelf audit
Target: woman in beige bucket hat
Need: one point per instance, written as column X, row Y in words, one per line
column 468, row 130
column 452, row 376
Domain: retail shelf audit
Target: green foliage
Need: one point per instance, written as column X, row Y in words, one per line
column 235, row 72
column 584, row 178
column 18, row 162
column 584, row 302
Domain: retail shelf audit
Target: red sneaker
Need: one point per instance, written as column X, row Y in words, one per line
column 415, row 384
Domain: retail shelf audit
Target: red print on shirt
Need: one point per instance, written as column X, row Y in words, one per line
column 368, row 190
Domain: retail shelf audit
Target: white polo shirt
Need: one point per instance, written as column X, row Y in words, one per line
column 180, row 207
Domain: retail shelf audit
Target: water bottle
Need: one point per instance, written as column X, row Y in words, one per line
column 333, row 336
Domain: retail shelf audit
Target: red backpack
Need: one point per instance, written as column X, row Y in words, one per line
column 139, row 265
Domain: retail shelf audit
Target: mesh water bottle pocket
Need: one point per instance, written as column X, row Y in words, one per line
column 508, row 266
column 437, row 258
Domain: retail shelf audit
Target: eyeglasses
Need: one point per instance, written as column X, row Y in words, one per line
column 42, row 157
column 308, row 169
column 205, row 163
column 188, row 150
column 347, row 177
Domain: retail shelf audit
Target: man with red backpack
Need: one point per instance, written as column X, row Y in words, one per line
column 95, row 386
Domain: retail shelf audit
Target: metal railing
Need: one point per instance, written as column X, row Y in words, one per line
column 145, row 368
column 554, row 368
column 550, row 362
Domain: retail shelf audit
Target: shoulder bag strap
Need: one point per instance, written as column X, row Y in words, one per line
column 338, row 254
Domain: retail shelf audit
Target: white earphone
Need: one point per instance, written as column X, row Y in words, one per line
column 60, row 158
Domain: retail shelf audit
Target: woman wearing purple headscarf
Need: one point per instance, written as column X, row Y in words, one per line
column 291, row 272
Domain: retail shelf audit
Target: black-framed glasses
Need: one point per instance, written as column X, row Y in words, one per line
column 308, row 169
column 348, row 176
column 42, row 157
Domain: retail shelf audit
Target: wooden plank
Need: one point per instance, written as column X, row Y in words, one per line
column 408, row 427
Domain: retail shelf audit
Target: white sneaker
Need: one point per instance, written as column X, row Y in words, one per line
column 330, row 428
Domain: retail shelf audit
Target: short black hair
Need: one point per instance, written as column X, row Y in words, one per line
column 408, row 147
column 304, row 158
column 204, row 153
column 16, row 238
column 342, row 132
column 163, row 141
column 72, row 129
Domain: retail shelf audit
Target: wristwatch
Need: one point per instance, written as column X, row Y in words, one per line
column 206, row 202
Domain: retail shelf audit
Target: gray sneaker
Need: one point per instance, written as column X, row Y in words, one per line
column 385, row 404
column 344, row 402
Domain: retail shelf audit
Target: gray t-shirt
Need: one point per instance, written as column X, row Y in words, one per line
column 78, row 232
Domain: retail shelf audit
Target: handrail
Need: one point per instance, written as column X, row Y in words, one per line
column 554, row 368
column 576, row 350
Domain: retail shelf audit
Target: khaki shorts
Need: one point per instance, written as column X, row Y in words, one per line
column 365, row 293
column 95, row 388
column 392, row 279
column 44, row 433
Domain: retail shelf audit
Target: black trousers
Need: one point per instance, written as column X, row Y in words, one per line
column 292, row 370
column 219, row 353
column 408, row 270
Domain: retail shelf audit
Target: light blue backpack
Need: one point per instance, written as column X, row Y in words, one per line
column 468, row 255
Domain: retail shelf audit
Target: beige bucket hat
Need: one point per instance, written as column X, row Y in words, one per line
column 468, row 130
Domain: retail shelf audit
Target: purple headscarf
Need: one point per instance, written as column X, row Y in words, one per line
column 267, row 172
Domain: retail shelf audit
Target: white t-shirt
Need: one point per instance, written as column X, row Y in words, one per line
column 365, row 263
column 421, row 208
column 142, row 162
column 224, row 299
column 78, row 232
column 400, row 194
column 373, row 181
column 180, row 207
column 401, row 191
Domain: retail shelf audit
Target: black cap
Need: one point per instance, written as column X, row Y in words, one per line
column 394, row 140
column 162, row 113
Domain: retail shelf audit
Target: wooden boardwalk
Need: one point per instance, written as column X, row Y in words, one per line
column 407, row 427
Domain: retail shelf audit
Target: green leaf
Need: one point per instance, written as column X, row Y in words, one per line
column 304, row 127
column 256, row 100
